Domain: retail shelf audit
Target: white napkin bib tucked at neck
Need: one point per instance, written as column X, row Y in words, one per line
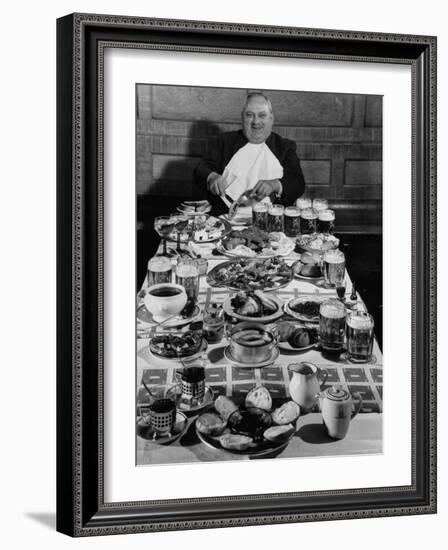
column 251, row 163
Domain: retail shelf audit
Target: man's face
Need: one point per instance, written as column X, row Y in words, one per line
column 257, row 120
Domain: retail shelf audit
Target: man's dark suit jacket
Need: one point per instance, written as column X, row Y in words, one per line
column 227, row 144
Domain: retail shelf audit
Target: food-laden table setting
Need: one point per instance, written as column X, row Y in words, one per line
column 251, row 365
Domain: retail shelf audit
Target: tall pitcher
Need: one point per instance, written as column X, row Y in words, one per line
column 304, row 386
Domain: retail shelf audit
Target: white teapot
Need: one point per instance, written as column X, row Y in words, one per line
column 336, row 405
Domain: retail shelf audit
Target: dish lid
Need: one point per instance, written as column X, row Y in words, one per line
column 337, row 393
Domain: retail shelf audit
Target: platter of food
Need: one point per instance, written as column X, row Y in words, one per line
column 253, row 242
column 187, row 345
column 251, row 274
column 194, row 208
column 305, row 308
column 295, row 336
column 201, row 229
column 317, row 242
column 253, row 429
column 308, row 267
column 253, row 306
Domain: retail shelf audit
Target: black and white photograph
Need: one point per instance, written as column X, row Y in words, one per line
column 259, row 266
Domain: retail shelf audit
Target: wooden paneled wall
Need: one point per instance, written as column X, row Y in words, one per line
column 338, row 137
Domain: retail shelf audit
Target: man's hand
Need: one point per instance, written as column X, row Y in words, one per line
column 264, row 188
column 216, row 184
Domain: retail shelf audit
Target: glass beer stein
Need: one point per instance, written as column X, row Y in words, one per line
column 333, row 268
column 331, row 327
column 359, row 332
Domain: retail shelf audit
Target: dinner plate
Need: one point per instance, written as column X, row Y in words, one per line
column 296, row 265
column 145, row 317
column 194, row 213
column 227, row 307
column 274, row 356
column 195, row 355
column 286, row 346
column 302, row 299
column 145, row 431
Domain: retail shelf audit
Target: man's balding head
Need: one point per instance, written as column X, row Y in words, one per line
column 257, row 118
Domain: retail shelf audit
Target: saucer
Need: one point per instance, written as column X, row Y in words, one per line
column 184, row 405
column 228, row 355
column 146, row 318
column 145, row 431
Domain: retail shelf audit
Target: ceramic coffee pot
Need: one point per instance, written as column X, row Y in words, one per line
column 336, row 405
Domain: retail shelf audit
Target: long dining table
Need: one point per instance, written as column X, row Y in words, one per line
column 225, row 378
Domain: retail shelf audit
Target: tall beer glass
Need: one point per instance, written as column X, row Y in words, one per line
column 303, row 203
column 359, row 333
column 325, row 221
column 332, row 326
column 159, row 270
column 275, row 217
column 187, row 275
column 333, row 268
column 260, row 215
column 320, row 204
column 292, row 221
column 308, row 219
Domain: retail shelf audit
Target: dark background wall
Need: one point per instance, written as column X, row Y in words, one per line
column 338, row 137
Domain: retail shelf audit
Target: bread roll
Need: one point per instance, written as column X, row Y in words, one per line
column 277, row 434
column 210, row 424
column 236, row 442
column 287, row 413
column 225, row 406
column 299, row 338
column 259, row 397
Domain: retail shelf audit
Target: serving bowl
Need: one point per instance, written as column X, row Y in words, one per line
column 251, row 343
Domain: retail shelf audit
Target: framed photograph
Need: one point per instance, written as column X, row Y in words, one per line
column 246, row 274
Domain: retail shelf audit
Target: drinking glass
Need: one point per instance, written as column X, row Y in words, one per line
column 213, row 323
column 308, row 221
column 303, row 203
column 333, row 268
column 260, row 215
column 325, row 221
column 292, row 221
column 359, row 332
column 275, row 217
column 187, row 275
column 320, row 204
column 160, row 270
column 164, row 226
column 331, row 326
column 181, row 227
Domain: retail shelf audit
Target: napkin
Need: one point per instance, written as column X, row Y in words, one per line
column 251, row 163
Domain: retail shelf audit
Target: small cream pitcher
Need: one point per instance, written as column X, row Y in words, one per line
column 336, row 405
column 305, row 385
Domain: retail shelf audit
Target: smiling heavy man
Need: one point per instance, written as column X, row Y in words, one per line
column 253, row 160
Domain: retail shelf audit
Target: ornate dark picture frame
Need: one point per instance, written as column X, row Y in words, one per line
column 81, row 40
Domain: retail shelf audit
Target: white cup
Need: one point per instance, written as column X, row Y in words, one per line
column 165, row 300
